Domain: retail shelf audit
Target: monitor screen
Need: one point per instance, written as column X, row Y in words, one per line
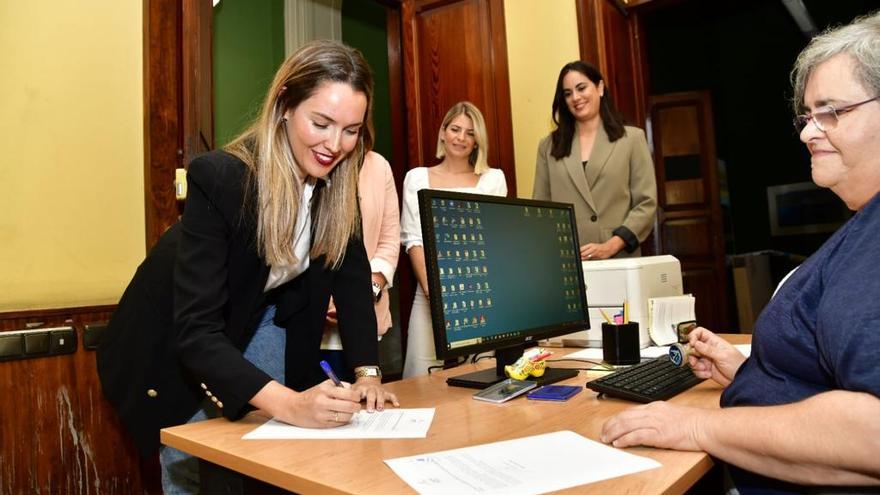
column 804, row 208
column 503, row 273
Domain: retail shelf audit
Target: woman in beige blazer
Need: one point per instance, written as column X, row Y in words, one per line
column 596, row 163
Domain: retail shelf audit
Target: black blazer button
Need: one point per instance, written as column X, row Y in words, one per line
column 594, row 218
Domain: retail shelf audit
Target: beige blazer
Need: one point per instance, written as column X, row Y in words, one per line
column 617, row 189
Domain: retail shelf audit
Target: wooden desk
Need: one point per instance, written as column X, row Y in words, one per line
column 356, row 466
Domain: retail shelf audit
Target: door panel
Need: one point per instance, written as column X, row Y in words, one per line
column 610, row 38
column 690, row 227
column 163, row 133
column 690, row 236
column 59, row 434
column 684, row 192
column 456, row 51
column 198, row 85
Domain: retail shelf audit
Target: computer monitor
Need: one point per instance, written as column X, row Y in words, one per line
column 503, row 273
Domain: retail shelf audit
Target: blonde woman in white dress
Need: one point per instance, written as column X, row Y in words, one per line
column 462, row 146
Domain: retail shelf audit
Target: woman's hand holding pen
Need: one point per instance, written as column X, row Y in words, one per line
column 323, row 406
column 327, row 405
column 713, row 357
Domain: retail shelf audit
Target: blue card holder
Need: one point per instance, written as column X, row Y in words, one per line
column 554, row 392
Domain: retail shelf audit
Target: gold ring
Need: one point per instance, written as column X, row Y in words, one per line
column 335, row 416
column 589, row 256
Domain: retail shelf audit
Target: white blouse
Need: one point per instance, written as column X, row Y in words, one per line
column 491, row 182
column 279, row 274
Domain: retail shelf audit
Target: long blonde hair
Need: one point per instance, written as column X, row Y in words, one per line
column 479, row 156
column 264, row 147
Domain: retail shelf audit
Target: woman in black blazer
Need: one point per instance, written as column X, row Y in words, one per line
column 270, row 230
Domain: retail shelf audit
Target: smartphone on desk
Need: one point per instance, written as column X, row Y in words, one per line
column 554, row 392
column 505, row 390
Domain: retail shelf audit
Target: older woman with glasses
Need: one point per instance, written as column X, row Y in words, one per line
column 825, row 118
column 804, row 409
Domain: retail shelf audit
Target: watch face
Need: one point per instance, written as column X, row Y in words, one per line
column 368, row 371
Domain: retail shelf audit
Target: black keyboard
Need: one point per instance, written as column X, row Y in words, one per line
column 647, row 381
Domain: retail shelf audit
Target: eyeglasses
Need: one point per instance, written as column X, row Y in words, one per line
column 825, row 118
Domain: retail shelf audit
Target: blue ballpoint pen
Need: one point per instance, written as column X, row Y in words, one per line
column 330, row 374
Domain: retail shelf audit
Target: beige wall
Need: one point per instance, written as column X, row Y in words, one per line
column 71, row 127
column 541, row 38
column 71, row 131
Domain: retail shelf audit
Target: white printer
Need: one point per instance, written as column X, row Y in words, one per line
column 634, row 280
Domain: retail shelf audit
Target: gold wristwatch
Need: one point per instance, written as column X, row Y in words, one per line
column 368, row 371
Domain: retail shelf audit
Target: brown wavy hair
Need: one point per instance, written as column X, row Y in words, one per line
column 264, row 147
column 562, row 136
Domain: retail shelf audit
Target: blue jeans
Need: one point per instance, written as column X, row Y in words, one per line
column 180, row 471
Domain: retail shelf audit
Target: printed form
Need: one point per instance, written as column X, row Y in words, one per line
column 390, row 423
column 530, row 465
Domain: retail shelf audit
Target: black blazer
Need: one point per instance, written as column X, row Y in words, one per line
column 196, row 300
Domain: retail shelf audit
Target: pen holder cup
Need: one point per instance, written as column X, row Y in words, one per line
column 620, row 343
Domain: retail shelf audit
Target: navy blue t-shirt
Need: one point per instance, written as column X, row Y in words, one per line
column 820, row 332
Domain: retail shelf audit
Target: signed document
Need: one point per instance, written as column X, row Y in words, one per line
column 390, row 423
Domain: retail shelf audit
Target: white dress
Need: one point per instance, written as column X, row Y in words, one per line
column 420, row 341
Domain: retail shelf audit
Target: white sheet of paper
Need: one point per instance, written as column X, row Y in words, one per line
column 525, row 466
column 665, row 313
column 654, row 351
column 590, row 353
column 594, row 354
column 390, row 423
column 745, row 349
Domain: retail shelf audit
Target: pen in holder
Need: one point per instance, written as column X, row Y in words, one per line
column 620, row 343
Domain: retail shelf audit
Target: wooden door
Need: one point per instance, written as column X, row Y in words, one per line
column 611, row 38
column 198, row 85
column 178, row 101
column 456, row 50
column 689, row 224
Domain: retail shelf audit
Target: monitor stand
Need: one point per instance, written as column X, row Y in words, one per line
column 505, row 356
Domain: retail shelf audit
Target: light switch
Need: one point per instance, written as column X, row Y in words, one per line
column 180, row 184
column 62, row 341
column 92, row 334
